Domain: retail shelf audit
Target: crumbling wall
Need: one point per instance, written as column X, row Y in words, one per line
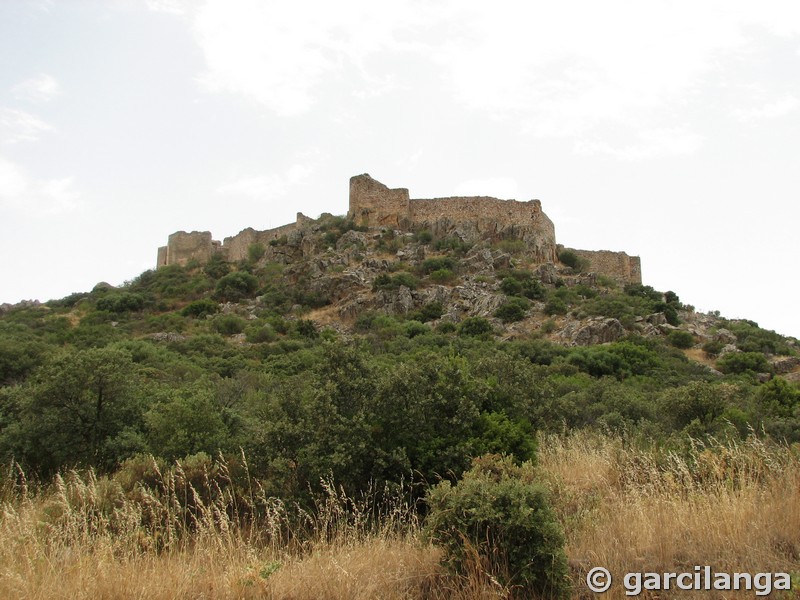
column 374, row 205
column 183, row 247
column 490, row 212
column 618, row 265
column 238, row 246
column 485, row 217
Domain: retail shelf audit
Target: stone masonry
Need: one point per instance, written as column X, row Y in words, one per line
column 374, row 205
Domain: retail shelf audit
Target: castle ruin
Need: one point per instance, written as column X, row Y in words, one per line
column 374, row 205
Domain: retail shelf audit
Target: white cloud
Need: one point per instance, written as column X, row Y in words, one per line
column 559, row 69
column 267, row 187
column 771, row 110
column 20, row 126
column 653, row 143
column 496, row 187
column 41, row 88
column 22, row 193
column 280, row 54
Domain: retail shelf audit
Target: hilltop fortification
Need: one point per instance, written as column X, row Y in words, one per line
column 376, row 206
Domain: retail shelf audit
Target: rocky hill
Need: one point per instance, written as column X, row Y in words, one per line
column 344, row 276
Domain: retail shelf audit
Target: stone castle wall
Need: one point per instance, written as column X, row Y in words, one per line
column 183, row 247
column 618, row 265
column 374, row 205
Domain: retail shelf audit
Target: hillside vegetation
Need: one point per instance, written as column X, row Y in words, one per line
column 295, row 425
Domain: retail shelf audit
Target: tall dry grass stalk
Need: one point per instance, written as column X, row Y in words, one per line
column 735, row 507
column 83, row 537
column 732, row 506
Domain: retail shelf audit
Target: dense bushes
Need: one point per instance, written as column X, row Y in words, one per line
column 120, row 302
column 743, row 362
column 681, row 339
column 499, row 513
column 200, row 308
column 396, row 281
column 513, row 309
column 236, row 286
column 154, row 367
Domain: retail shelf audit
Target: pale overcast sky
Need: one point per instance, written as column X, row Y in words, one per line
column 668, row 129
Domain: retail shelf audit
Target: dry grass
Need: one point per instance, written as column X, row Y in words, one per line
column 734, row 507
column 82, row 537
column 699, row 355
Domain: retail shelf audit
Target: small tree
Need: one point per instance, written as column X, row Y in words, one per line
column 501, row 513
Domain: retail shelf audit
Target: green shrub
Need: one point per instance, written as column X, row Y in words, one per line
column 429, row 312
column 454, row 243
column 442, row 276
column 217, row 267
column 499, row 511
column 255, row 252
column 393, row 282
column 511, row 286
column 713, row 347
column 423, row 237
column 513, row 309
column 681, row 339
column 474, row 326
column 533, row 289
column 200, row 308
column 229, row 324
column 260, row 334
column 236, row 286
column 436, row 264
column 307, row 328
column 743, row 362
column 279, row 241
column 751, row 338
column 121, row 302
column 569, row 258
column 555, row 306
column 415, row 328
column 446, row 327
column 643, row 291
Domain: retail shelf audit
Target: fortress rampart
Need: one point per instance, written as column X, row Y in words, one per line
column 374, row 205
column 183, row 247
column 617, row 265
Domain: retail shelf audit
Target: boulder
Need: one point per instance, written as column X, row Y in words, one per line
column 784, row 364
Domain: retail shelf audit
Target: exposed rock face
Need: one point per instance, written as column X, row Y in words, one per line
column 596, row 330
column 785, row 364
column 6, row 307
column 724, row 336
